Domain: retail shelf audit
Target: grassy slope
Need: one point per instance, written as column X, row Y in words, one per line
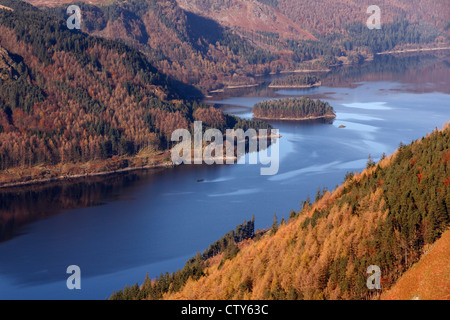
column 427, row 279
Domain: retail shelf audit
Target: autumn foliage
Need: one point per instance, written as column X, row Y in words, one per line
column 211, row 117
column 67, row 98
column 382, row 216
column 324, row 250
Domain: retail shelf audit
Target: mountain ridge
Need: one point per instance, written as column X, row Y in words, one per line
column 213, row 44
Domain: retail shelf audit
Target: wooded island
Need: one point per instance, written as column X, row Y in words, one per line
column 303, row 108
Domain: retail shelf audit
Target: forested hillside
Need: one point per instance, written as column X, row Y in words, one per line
column 74, row 104
column 189, row 47
column 217, row 43
column 319, row 29
column 315, row 16
column 428, row 279
column 388, row 215
column 332, row 16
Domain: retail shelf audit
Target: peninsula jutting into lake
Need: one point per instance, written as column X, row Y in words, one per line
column 303, row 108
column 296, row 81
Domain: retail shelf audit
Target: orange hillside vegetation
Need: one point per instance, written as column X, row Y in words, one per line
column 383, row 216
column 429, row 279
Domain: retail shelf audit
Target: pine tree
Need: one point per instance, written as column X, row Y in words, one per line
column 292, row 214
column 370, row 162
column 318, row 194
column 274, row 228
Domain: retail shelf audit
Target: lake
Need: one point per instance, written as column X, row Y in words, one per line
column 118, row 228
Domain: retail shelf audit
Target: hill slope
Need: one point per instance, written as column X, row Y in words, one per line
column 73, row 104
column 216, row 43
column 248, row 16
column 332, row 16
column 67, row 97
column 192, row 48
column 388, row 215
column 427, row 279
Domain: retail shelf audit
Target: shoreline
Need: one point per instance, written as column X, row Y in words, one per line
column 367, row 59
column 303, row 86
column 84, row 175
column 233, row 87
column 71, row 178
column 242, row 86
column 304, row 71
column 412, row 50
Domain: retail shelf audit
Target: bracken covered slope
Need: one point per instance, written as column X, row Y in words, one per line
column 427, row 279
column 388, row 215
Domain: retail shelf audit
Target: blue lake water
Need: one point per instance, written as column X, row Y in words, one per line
column 121, row 228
